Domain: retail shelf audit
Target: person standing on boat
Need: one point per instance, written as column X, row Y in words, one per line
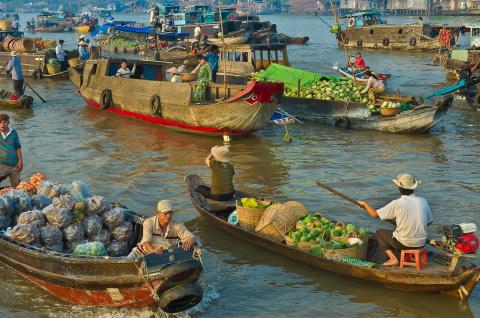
column 222, row 175
column 374, row 86
column 197, row 32
column 11, row 157
column 160, row 233
column 204, row 76
column 60, row 54
column 82, row 51
column 212, row 58
column 124, row 71
column 412, row 216
column 420, row 21
column 14, row 67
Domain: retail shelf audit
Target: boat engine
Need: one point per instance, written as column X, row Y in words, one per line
column 461, row 236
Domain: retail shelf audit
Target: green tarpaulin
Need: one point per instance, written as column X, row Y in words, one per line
column 290, row 76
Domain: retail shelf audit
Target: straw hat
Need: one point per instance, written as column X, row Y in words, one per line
column 221, row 153
column 406, row 181
column 186, row 62
column 165, row 206
column 81, row 37
column 14, row 53
column 82, row 43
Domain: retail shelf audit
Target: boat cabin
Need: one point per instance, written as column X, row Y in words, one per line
column 361, row 19
column 474, row 36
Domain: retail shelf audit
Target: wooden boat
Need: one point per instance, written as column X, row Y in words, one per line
column 370, row 31
column 168, row 281
column 420, row 118
column 53, row 29
column 360, row 76
column 457, row 281
column 7, row 101
column 232, row 110
column 231, row 40
column 34, row 64
column 59, row 75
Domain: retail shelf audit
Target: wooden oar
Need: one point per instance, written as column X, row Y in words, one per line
column 343, row 196
column 26, row 83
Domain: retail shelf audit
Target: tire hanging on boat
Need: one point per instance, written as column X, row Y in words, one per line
column 386, row 41
column 180, row 298
column 155, row 106
column 106, row 99
column 179, row 272
column 413, row 41
column 360, row 43
column 342, row 122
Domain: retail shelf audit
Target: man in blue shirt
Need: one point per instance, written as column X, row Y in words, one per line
column 14, row 67
column 11, row 158
column 212, row 58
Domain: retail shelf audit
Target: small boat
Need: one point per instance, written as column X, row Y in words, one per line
column 59, row 75
column 230, row 40
column 82, row 29
column 7, row 99
column 437, row 277
column 360, row 76
column 148, row 96
column 168, row 281
column 53, row 29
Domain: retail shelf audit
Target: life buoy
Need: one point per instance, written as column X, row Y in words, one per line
column 342, row 122
column 386, row 41
column 360, row 42
column 106, row 99
column 155, row 106
column 413, row 41
column 180, row 298
column 183, row 271
column 37, row 74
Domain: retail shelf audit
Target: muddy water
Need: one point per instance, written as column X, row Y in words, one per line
column 139, row 164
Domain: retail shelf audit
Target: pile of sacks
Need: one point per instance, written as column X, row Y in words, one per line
column 62, row 217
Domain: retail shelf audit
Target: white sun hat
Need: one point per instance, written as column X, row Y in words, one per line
column 406, row 181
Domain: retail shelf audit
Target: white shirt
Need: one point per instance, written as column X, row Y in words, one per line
column 412, row 215
column 8, row 133
column 153, row 16
column 197, row 31
column 60, row 53
column 125, row 72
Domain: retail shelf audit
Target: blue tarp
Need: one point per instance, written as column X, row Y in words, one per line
column 124, row 28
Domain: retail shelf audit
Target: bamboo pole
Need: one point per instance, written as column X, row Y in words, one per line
column 223, row 51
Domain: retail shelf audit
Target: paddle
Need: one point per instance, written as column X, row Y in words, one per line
column 343, row 196
column 38, row 95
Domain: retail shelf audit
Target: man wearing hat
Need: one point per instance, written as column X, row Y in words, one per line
column 412, row 216
column 82, row 51
column 14, row 67
column 160, row 233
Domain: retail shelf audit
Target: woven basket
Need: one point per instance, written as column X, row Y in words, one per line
column 53, row 68
column 5, row 25
column 389, row 112
column 289, row 241
column 248, row 217
column 356, row 251
column 188, row 77
column 306, row 246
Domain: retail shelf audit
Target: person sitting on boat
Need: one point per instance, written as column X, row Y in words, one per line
column 359, row 61
column 374, row 86
column 204, row 76
column 212, row 58
column 412, row 216
column 14, row 67
column 184, row 67
column 160, row 233
column 222, row 175
column 11, row 158
column 201, row 46
column 60, row 54
column 124, row 71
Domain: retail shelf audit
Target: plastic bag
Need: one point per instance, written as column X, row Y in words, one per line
column 114, row 217
column 69, row 247
column 79, row 190
column 96, row 204
column 123, row 232
column 32, row 217
column 64, row 189
column 24, row 204
column 7, row 205
column 92, row 224
column 91, row 249
column 103, row 236
column 64, row 201
column 51, row 235
column 74, row 233
column 49, row 188
column 117, row 249
column 58, row 217
column 40, row 201
column 5, row 221
column 26, row 233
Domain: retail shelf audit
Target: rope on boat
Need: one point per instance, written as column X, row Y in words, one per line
column 143, row 273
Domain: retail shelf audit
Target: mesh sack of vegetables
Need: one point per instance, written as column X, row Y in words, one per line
column 5, row 221
column 90, row 249
column 92, row 224
column 69, row 247
column 64, row 189
column 51, row 235
column 55, row 247
column 114, row 217
column 49, row 188
column 103, row 236
column 123, row 232
column 79, row 190
column 74, row 233
column 23, row 204
column 32, row 217
column 26, row 233
column 117, row 249
column 60, row 218
column 64, row 201
column 96, row 204
column 7, row 205
column 278, row 219
column 40, row 201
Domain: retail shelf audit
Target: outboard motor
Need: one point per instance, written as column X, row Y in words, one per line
column 461, row 236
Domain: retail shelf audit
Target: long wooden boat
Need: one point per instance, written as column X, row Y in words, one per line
column 357, row 116
column 360, row 76
column 458, row 281
column 7, row 101
column 168, row 281
column 34, row 64
column 55, row 29
column 231, row 109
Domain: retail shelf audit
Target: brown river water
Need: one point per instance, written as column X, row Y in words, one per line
column 139, row 163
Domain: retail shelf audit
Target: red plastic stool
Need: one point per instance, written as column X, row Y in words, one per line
column 419, row 257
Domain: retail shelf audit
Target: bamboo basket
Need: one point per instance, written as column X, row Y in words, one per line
column 389, row 112
column 356, row 251
column 290, row 242
column 278, row 219
column 248, row 217
column 53, row 68
column 306, row 246
column 25, row 45
column 5, row 25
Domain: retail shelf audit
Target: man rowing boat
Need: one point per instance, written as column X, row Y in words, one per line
column 412, row 216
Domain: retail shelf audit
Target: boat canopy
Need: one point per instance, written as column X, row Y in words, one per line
column 131, row 29
column 363, row 14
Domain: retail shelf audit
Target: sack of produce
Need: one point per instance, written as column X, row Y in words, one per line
column 26, row 233
column 93, row 224
column 7, row 205
column 51, row 235
column 74, row 233
column 249, row 212
column 90, row 249
column 32, row 217
column 60, row 218
column 48, row 188
column 5, row 221
column 55, row 247
column 96, row 204
column 69, row 247
column 64, row 201
column 40, row 201
column 24, row 204
column 278, row 219
column 64, row 189
column 123, row 232
column 114, row 217
column 118, row 249
column 103, row 236
column 79, row 190
column 37, row 178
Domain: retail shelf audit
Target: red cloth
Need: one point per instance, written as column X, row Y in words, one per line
column 360, row 62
